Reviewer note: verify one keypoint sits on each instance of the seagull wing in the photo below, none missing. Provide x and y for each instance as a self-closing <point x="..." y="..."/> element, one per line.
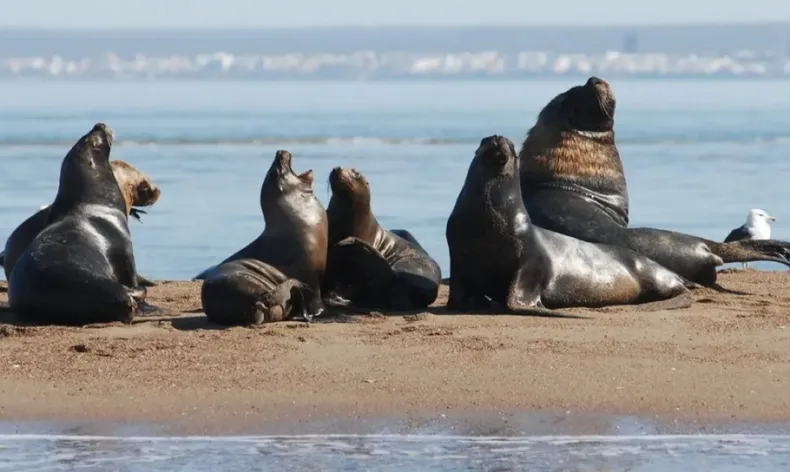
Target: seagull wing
<point x="739" y="234"/>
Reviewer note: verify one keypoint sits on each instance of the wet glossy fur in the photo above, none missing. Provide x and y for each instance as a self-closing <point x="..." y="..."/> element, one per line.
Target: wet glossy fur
<point x="573" y="183"/>
<point x="137" y="189"/>
<point x="367" y="265"/>
<point x="292" y="248"/>
<point x="81" y="268"/>
<point x="497" y="255"/>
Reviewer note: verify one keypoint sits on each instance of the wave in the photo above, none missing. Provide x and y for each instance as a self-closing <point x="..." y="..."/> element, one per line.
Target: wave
<point x="417" y="452"/>
<point x="370" y="141"/>
<point x="393" y="452"/>
<point x="549" y="439"/>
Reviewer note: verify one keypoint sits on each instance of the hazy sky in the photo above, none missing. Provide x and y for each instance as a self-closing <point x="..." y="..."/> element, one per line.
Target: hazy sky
<point x="268" y="13"/>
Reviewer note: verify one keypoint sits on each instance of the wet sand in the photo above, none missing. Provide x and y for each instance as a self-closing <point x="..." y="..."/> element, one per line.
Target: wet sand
<point x="727" y="358"/>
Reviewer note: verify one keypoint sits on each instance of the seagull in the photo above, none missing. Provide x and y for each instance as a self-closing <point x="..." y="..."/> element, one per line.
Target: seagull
<point x="757" y="226"/>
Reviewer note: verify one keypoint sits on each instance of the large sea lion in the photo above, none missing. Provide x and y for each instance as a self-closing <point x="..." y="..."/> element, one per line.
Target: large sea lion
<point x="80" y="269"/>
<point x="277" y="276"/>
<point x="497" y="255"/>
<point x="367" y="265"/>
<point x="573" y="183"/>
<point x="138" y="191"/>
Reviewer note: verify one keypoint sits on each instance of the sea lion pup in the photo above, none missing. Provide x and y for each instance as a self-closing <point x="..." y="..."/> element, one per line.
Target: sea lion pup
<point x="80" y="269"/>
<point x="137" y="189"/>
<point x="277" y="276"/>
<point x="496" y="254"/>
<point x="367" y="265"/>
<point x="573" y="183"/>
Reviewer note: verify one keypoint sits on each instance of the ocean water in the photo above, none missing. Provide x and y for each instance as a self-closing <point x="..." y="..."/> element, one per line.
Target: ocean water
<point x="698" y="154"/>
<point x="490" y="442"/>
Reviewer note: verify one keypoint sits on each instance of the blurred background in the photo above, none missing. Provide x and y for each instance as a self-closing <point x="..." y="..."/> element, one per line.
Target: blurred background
<point x="202" y="93"/>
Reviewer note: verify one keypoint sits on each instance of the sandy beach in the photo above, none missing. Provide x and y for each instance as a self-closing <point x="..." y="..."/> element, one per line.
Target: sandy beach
<point x="725" y="358"/>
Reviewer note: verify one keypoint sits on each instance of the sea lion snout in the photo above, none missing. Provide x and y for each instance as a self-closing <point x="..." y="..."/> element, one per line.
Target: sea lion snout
<point x="595" y="81"/>
<point x="283" y="159"/>
<point x="147" y="194"/>
<point x="497" y="149"/>
<point x="101" y="133"/>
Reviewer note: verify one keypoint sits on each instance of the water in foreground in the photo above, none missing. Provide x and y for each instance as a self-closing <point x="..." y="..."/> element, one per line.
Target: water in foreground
<point x="521" y="442"/>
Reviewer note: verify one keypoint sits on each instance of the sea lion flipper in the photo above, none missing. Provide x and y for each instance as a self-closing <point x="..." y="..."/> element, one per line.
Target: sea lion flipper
<point x="144" y="281"/>
<point x="406" y="234"/>
<point x="2" y="258"/>
<point x="355" y="271"/>
<point x="65" y="298"/>
<point x="684" y="300"/>
<point x="771" y="250"/>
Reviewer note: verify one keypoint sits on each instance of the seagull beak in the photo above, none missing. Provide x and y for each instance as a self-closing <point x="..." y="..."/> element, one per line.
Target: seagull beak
<point x="772" y="218"/>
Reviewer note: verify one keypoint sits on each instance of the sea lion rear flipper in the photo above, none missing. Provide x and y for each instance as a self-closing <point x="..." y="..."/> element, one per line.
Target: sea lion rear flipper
<point x="285" y="302"/>
<point x="356" y="271"/>
<point x="74" y="298"/>
<point x="684" y="300"/>
<point x="771" y="250"/>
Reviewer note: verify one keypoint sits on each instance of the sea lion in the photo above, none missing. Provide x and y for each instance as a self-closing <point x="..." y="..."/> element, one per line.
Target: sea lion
<point x="497" y="255"/>
<point x="137" y="189"/>
<point x="80" y="269"/>
<point x="573" y="183"/>
<point x="367" y="265"/>
<point x="278" y="275"/>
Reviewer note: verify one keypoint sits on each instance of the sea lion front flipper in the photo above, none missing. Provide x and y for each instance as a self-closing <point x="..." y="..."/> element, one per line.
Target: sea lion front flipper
<point x="406" y="234"/>
<point x="356" y="271"/>
<point x="144" y="281"/>
<point x="523" y="297"/>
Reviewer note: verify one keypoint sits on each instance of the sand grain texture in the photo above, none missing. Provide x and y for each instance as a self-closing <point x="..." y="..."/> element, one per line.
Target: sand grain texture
<point x="726" y="357"/>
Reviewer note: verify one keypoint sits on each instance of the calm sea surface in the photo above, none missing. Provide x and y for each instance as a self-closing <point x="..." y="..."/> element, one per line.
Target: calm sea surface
<point x="698" y="155"/>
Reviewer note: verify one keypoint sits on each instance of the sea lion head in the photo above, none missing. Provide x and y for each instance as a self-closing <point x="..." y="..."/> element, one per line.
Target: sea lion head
<point x="86" y="175"/>
<point x="585" y="109"/>
<point x="572" y="143"/>
<point x="138" y="190"/>
<point x="496" y="157"/>
<point x="349" y="185"/>
<point x="349" y="208"/>
<point x="283" y="188"/>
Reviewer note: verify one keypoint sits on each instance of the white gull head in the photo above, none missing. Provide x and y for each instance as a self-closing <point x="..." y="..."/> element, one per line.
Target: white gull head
<point x="758" y="222"/>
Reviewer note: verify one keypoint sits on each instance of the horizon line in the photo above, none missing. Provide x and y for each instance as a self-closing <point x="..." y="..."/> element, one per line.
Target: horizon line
<point x="177" y="28"/>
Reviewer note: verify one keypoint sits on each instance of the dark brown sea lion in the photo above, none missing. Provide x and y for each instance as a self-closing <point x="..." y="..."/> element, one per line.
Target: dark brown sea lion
<point x="572" y="182"/>
<point x="497" y="255"/>
<point x="80" y="269"/>
<point x="277" y="276"/>
<point x="138" y="191"/>
<point x="367" y="265"/>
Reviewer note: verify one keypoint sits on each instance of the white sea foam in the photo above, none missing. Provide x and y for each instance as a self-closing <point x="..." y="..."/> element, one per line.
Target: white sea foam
<point x="417" y="452"/>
